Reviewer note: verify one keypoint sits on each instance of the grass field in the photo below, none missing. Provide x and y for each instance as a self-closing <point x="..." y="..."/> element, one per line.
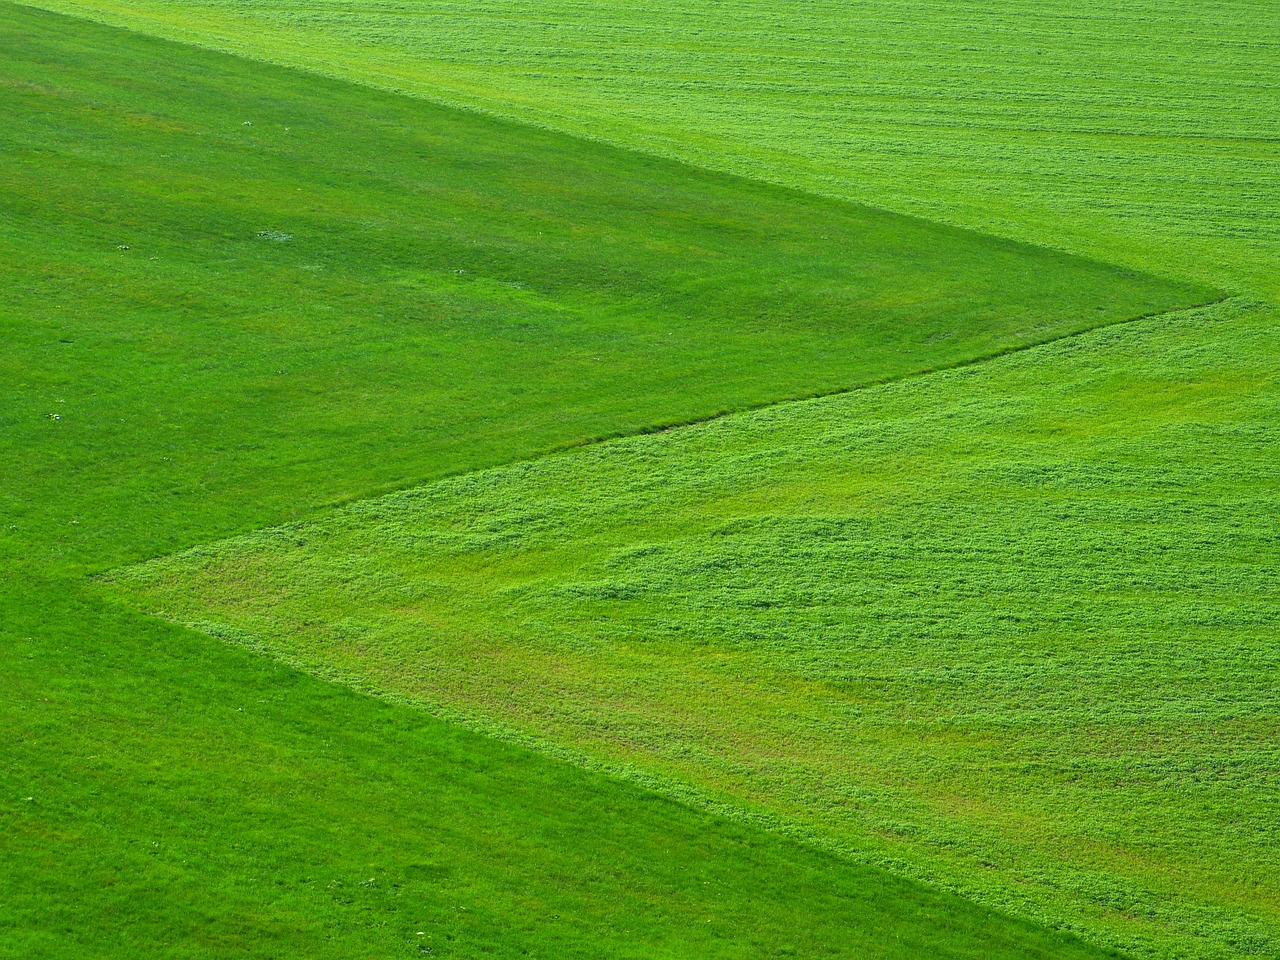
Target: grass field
<point x="1008" y="628"/>
<point x="795" y="610"/>
<point x="1142" y="131"/>
<point x="228" y="275"/>
<point x="167" y="795"/>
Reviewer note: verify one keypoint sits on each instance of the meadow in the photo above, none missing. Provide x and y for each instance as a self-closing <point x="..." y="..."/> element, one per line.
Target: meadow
<point x="793" y="611"/>
<point x="168" y="795"/>
<point x="228" y="276"/>
<point x="209" y="327"/>
<point x="970" y="652"/>
<point x="1141" y="132"/>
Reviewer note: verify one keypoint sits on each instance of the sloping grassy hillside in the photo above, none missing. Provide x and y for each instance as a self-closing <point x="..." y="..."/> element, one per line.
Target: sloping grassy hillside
<point x="285" y="328"/>
<point x="304" y="336"/>
<point x="169" y="796"/>
<point x="277" y="290"/>
<point x="1013" y="626"/>
<point x="1140" y="131"/>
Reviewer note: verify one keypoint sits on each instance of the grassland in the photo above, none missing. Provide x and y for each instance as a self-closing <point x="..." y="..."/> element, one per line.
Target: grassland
<point x="1008" y="629"/>
<point x="258" y="272"/>
<point x="1014" y="626"/>
<point x="212" y="323"/>
<point x="1140" y="132"/>
<point x="166" y="795"/>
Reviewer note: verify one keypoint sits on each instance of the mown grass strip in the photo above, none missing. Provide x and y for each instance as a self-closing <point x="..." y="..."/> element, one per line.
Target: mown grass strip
<point x="1011" y="627"/>
<point x="234" y="282"/>
<point x="1140" y="132"/>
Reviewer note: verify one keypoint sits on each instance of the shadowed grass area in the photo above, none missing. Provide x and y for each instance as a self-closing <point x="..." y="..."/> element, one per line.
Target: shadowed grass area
<point x="1141" y="132"/>
<point x="1013" y="628"/>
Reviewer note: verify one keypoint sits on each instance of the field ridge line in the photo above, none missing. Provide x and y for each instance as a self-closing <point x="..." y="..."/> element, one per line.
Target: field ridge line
<point x="1241" y="300"/>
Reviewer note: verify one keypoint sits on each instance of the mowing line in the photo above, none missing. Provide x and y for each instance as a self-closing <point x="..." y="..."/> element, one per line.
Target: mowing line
<point x="1241" y="300"/>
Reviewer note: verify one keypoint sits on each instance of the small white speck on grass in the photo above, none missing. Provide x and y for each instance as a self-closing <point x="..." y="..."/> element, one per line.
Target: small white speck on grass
<point x="55" y="416"/>
<point x="123" y="246"/>
<point x="248" y="123"/>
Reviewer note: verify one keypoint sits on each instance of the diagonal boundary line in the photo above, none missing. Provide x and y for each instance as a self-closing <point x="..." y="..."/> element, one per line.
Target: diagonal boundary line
<point x="1241" y="301"/>
<point x="444" y="102"/>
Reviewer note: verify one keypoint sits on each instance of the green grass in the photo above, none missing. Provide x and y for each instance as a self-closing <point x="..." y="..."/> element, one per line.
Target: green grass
<point x="1013" y="628"/>
<point x="1142" y="132"/>
<point x="169" y="795"/>
<point x="1057" y="574"/>
<point x="454" y="292"/>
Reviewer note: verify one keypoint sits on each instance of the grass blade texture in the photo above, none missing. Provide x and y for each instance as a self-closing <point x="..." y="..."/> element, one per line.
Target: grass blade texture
<point x="227" y="275"/>
<point x="208" y="326"/>
<point x="993" y="635"/>
<point x="1014" y="626"/>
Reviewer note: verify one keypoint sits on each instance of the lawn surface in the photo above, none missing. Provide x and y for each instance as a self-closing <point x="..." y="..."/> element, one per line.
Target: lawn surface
<point x="167" y="795"/>
<point x="233" y="281"/>
<point x="1055" y="697"/>
<point x="1142" y="132"/>
<point x="208" y="326"/>
<point x="1014" y="626"/>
